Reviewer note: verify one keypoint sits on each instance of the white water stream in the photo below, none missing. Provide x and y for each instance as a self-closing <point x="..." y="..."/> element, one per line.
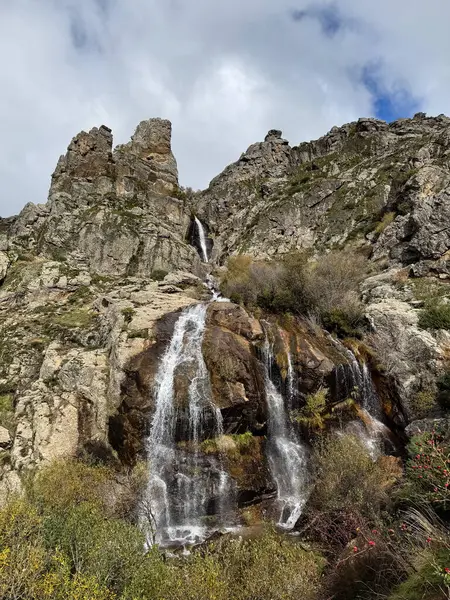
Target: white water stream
<point x="287" y="456"/>
<point x="356" y="381"/>
<point x="183" y="482"/>
<point x="202" y="239"/>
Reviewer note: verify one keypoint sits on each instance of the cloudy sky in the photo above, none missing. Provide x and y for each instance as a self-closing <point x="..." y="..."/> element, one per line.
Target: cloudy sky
<point x="223" y="71"/>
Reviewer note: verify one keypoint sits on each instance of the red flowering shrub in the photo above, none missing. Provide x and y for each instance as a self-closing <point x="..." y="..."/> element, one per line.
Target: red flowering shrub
<point x="428" y="469"/>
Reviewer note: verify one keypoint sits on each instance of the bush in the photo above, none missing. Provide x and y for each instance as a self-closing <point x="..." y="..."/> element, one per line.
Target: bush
<point x="333" y="281"/>
<point x="443" y="385"/>
<point x="428" y="470"/>
<point x="270" y="566"/>
<point x="253" y="572"/>
<point x="31" y="570"/>
<point x="435" y="317"/>
<point x="429" y="579"/>
<point x="327" y="287"/>
<point x="7" y="411"/>
<point x="312" y="414"/>
<point x="107" y="550"/>
<point x="347" y="477"/>
<point x="345" y="323"/>
<point x="387" y="219"/>
<point x="258" y="283"/>
<point x="423" y="403"/>
<point x="65" y="484"/>
<point x="350" y="490"/>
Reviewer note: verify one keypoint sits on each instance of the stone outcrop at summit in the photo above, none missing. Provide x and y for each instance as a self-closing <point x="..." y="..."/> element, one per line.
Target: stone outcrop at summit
<point x="341" y="189"/>
<point x="115" y="212"/>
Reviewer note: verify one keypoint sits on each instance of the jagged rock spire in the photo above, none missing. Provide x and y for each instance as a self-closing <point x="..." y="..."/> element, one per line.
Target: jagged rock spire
<point x="88" y="155"/>
<point x="115" y="211"/>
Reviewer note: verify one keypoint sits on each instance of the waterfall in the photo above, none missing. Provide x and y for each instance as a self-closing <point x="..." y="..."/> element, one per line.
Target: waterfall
<point x="202" y="238"/>
<point x="291" y="381"/>
<point x="287" y="456"/>
<point x="354" y="381"/>
<point x="185" y="487"/>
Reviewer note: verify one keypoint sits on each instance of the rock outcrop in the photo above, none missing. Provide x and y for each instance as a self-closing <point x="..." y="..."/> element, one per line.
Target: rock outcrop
<point x="337" y="190"/>
<point x="113" y="212"/>
<point x="92" y="282"/>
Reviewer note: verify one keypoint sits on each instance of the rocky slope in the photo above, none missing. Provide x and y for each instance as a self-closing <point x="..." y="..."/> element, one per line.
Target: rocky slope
<point x="335" y="190"/>
<point x="92" y="282"/>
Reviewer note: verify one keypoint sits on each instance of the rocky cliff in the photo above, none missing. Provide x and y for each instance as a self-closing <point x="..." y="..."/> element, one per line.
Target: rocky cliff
<point x="92" y="283"/>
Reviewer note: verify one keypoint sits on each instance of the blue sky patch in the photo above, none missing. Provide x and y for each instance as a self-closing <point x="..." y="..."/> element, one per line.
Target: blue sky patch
<point x="389" y="103"/>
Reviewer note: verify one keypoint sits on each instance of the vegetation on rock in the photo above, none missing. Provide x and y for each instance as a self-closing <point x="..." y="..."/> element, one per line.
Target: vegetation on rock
<point x="326" y="287"/>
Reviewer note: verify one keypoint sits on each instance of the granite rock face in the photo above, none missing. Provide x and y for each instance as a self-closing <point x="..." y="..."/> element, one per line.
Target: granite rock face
<point x="92" y="282"/>
<point x="336" y="191"/>
<point x="114" y="212"/>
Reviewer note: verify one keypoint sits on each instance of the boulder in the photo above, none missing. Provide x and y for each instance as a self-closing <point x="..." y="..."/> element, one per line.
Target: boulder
<point x="237" y="380"/>
<point x="4" y="264"/>
<point x="5" y="438"/>
<point x="427" y="426"/>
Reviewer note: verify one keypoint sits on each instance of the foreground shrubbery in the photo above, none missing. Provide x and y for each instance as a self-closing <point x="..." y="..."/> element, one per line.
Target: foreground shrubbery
<point x="364" y="516"/>
<point x="428" y="470"/>
<point x="371" y="531"/>
<point x="327" y="287"/>
<point x="65" y="540"/>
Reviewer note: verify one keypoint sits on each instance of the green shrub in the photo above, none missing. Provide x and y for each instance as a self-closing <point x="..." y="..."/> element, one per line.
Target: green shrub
<point x="345" y="323"/>
<point x="312" y="414"/>
<point x="158" y="274"/>
<point x="387" y="219"/>
<point x="108" y="550"/>
<point x="316" y="403"/>
<point x="80" y="317"/>
<point x="271" y="566"/>
<point x="347" y="476"/>
<point x="428" y="578"/>
<point x="428" y="470"/>
<point x="29" y="569"/>
<point x="435" y="317"/>
<point x="243" y="441"/>
<point x="428" y="289"/>
<point x="350" y="490"/>
<point x="7" y="411"/>
<point x="443" y="385"/>
<point x="67" y="483"/>
<point x="209" y="446"/>
<point x="423" y="403"/>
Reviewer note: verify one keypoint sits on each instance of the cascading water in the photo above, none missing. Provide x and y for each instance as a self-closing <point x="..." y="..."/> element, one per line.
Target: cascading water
<point x="202" y="239"/>
<point x="354" y="381"/>
<point x="287" y="456"/>
<point x="182" y="486"/>
<point x="291" y="381"/>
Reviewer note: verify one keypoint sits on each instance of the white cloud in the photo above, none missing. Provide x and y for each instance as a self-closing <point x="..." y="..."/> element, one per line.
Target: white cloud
<point x="224" y="72"/>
